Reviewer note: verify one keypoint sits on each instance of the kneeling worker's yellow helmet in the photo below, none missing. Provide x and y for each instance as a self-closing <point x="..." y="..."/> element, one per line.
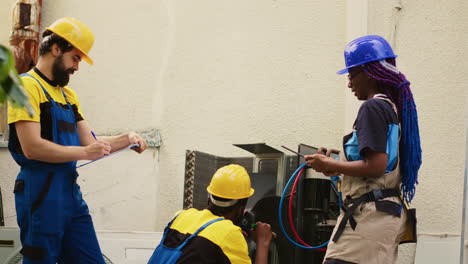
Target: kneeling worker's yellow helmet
<point x="231" y="182"/>
<point x="76" y="33"/>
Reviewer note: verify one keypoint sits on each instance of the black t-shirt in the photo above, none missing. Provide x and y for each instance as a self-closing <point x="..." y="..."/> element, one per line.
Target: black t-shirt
<point x="372" y="124"/>
<point x="376" y="127"/>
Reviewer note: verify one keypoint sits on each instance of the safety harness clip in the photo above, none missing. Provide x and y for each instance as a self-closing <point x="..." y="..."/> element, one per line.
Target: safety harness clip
<point x="375" y="195"/>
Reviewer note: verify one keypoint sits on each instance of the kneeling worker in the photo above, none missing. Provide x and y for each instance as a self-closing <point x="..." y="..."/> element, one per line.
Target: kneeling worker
<point x="212" y="235"/>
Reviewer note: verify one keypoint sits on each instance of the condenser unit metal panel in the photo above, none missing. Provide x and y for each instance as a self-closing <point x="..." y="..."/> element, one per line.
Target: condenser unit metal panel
<point x="309" y="150"/>
<point x="269" y="171"/>
<point x="258" y="148"/>
<point x="315" y="218"/>
<point x="269" y="155"/>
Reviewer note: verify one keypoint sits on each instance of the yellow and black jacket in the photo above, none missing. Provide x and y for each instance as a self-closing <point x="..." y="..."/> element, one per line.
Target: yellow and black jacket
<point x="221" y="242"/>
<point x="41" y="107"/>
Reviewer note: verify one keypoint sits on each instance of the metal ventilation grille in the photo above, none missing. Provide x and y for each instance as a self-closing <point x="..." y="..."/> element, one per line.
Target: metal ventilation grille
<point x="189" y="179"/>
<point x="199" y="168"/>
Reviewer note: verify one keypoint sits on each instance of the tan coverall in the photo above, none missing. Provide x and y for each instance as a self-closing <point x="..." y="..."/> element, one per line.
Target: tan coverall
<point x="377" y="235"/>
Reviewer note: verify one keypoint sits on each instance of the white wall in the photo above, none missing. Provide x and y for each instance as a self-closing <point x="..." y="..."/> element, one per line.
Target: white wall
<point x="430" y="38"/>
<point x="210" y="73"/>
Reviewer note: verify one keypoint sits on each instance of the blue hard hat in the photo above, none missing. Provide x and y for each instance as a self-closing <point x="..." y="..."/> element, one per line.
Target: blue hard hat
<point x="366" y="49"/>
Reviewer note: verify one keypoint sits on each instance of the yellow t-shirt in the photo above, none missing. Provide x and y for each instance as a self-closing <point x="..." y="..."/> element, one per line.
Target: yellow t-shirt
<point x="41" y="107"/>
<point x="220" y="242"/>
<point x="39" y="101"/>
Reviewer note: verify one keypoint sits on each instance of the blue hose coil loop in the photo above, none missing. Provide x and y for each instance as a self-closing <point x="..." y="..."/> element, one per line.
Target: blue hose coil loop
<point x="280" y="210"/>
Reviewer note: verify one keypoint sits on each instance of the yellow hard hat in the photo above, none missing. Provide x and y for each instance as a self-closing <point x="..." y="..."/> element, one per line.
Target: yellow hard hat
<point x="76" y="33"/>
<point x="231" y="182"/>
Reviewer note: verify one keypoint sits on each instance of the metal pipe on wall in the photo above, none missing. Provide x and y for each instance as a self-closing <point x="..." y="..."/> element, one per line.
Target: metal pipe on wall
<point x="463" y="247"/>
<point x="24" y="40"/>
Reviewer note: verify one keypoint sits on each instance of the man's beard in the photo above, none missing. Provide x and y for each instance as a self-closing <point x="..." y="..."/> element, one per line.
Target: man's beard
<point x="61" y="75"/>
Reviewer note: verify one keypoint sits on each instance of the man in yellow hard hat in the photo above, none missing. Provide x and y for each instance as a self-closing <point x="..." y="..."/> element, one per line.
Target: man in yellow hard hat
<point x="211" y="235"/>
<point x="54" y="219"/>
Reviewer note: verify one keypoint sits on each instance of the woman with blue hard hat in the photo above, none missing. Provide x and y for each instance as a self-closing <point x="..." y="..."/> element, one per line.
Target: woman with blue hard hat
<point x="380" y="159"/>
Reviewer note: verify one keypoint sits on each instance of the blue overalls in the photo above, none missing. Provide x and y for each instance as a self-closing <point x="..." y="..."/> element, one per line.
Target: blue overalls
<point x="166" y="255"/>
<point x="54" y="220"/>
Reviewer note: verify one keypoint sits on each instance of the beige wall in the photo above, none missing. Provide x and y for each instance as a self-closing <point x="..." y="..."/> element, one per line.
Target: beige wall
<point x="247" y="72"/>
<point x="207" y="74"/>
<point x="120" y="191"/>
<point x="212" y="73"/>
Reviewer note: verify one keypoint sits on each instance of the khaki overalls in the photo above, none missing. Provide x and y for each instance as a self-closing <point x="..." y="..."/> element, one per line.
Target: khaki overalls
<point x="377" y="232"/>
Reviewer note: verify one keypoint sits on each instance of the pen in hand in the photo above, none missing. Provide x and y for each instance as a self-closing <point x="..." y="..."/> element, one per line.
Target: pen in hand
<point x="131" y="146"/>
<point x="94" y="135"/>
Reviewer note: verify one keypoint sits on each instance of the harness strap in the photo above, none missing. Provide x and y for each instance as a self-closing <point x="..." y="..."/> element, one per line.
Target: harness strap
<point x="166" y="230"/>
<point x="46" y="93"/>
<point x="371" y="196"/>
<point x="198" y="231"/>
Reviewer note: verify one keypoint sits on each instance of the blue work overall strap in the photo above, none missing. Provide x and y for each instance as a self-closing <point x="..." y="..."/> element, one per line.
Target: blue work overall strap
<point x="166" y="255"/>
<point x="166" y="230"/>
<point x="64" y="128"/>
<point x="49" y="196"/>
<point x="47" y="93"/>
<point x="163" y="254"/>
<point x="198" y="231"/>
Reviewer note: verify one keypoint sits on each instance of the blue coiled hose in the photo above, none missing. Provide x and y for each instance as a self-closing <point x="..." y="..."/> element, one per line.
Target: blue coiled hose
<point x="280" y="212"/>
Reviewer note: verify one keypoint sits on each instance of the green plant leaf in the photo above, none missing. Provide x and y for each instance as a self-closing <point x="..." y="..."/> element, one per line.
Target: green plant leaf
<point x="17" y="96"/>
<point x="3" y="95"/>
<point x="4" y="62"/>
<point x="11" y="87"/>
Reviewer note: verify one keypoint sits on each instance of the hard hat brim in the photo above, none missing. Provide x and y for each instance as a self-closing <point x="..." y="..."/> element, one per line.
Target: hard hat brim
<point x="346" y="70"/>
<point x="88" y="60"/>
<point x="211" y="191"/>
<point x="342" y="71"/>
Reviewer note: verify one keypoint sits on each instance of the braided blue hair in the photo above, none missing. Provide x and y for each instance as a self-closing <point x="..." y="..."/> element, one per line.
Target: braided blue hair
<point x="397" y="88"/>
